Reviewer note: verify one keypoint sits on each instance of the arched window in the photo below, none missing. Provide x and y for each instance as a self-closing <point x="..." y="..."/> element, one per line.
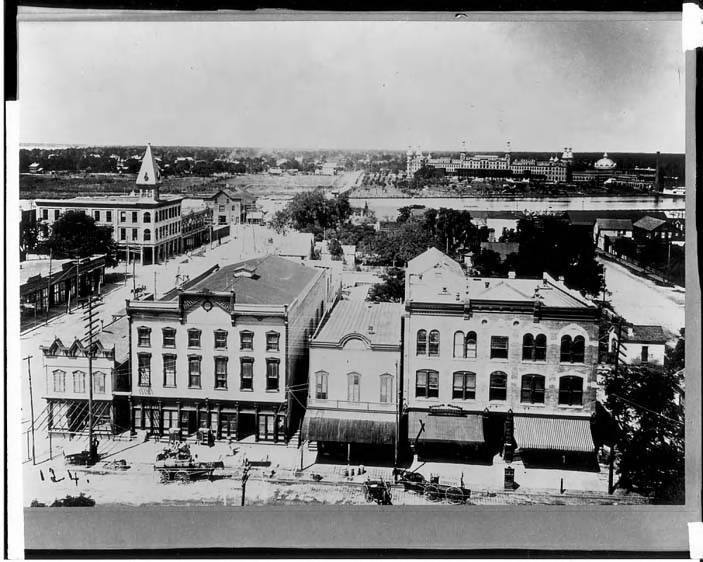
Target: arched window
<point x="99" y="382"/>
<point x="498" y="386"/>
<point x="534" y="348"/>
<point x="571" y="390"/>
<point x="464" y="386"/>
<point x="578" y="349"/>
<point x="532" y="389"/>
<point x="528" y="344"/>
<point x="59" y="380"/>
<point x="427" y="384"/>
<point x="354" y="387"/>
<point x="540" y="347"/>
<point x="321" y="385"/>
<point x="147" y="216"/>
<point x="434" y="343"/>
<point x="78" y="382"/>
<point x="471" y="345"/>
<point x="422" y="342"/>
<point x="386" y="388"/>
<point x="459" y="349"/>
<point x="147" y="234"/>
<point x="565" y="354"/>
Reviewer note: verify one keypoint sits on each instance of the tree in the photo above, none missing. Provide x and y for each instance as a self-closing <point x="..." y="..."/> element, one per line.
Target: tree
<point x="281" y="220"/>
<point x="311" y="211"/>
<point x="489" y="264"/>
<point x="676" y="356"/>
<point x="391" y="289"/>
<point x="75" y="235"/>
<point x="29" y="234"/>
<point x="335" y="249"/>
<point x="650" y="441"/>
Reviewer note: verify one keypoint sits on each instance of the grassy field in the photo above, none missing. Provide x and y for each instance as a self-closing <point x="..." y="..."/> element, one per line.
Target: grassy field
<point x="47" y="186"/>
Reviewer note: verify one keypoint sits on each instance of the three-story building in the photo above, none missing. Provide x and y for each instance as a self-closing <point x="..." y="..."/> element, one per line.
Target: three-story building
<point x="493" y="362"/>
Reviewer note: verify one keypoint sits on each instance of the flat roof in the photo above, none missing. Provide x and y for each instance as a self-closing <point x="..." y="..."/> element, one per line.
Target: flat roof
<point x="31" y="268"/>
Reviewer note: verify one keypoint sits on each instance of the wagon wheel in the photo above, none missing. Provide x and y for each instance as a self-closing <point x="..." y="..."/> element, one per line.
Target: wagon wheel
<point x="455" y="495"/>
<point x="183" y="477"/>
<point x="432" y="492"/>
<point x="163" y="476"/>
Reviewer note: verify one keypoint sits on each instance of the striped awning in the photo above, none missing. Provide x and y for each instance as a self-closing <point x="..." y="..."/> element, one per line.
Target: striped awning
<point x="376" y="428"/>
<point x="466" y="428"/>
<point x="546" y="433"/>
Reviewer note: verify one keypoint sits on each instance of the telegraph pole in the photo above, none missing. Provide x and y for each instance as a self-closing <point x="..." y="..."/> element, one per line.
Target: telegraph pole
<point x="91" y="327"/>
<point x="245" y="477"/>
<point x="31" y="406"/>
<point x="611" y="460"/>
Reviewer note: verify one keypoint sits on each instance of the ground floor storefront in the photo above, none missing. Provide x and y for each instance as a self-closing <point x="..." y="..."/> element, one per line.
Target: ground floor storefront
<point x="148" y="254"/>
<point x="224" y="419"/>
<point x="67" y="416"/>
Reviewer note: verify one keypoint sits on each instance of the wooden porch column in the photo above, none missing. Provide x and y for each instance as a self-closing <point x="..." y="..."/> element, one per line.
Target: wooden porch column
<point x="178" y="407"/>
<point x="236" y="422"/>
<point x="141" y="408"/>
<point x="161" y="418"/>
<point x="208" y="419"/>
<point x="131" y="415"/>
<point x="256" y="433"/>
<point x="219" y="420"/>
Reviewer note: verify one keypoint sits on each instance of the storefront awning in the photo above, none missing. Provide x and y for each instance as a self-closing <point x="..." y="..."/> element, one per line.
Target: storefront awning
<point x="467" y="428"/>
<point x="376" y="428"/>
<point x="546" y="433"/>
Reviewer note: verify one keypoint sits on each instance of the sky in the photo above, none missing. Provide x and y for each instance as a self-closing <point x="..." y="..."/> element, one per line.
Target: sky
<point x="615" y="86"/>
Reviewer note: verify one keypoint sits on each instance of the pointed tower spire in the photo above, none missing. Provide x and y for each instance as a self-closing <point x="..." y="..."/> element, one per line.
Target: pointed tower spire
<point x="149" y="173"/>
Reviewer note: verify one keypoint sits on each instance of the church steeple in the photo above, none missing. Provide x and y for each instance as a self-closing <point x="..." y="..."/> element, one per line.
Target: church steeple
<point x="149" y="173"/>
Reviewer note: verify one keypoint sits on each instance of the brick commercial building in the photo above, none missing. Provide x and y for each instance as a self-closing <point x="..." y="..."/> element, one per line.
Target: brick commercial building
<point x="496" y="362"/>
<point x="228" y="351"/>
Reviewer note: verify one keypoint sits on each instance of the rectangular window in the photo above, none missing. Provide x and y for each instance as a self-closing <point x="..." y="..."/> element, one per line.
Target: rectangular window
<point x="499" y="347"/>
<point x="169" y="337"/>
<point x="108" y="216"/>
<point x="272" y="374"/>
<point x="193" y="338"/>
<point x="57" y="213"/>
<point x="59" y="381"/>
<point x="123" y="234"/>
<point x="272" y="341"/>
<point x="169" y="370"/>
<point x="645" y="354"/>
<point x="123" y="216"/>
<point x="45" y="214"/>
<point x="222" y="208"/>
<point x="246" y="341"/>
<point x="247" y="374"/>
<point x="99" y="383"/>
<point x="135" y="234"/>
<point x="220" y="339"/>
<point x="194" y="371"/>
<point x="144" y="369"/>
<point x="386" y="389"/>
<point x="221" y="372"/>
<point x="96" y="216"/>
<point x="464" y="386"/>
<point x="135" y="218"/>
<point x="321" y="386"/>
<point x="498" y="386"/>
<point x="143" y="337"/>
<point x="532" y="390"/>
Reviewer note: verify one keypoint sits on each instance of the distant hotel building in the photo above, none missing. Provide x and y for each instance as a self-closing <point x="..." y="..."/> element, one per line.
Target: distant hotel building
<point x="491" y="165"/>
<point x="228" y="351"/>
<point x="496" y="362"/>
<point x="146" y="226"/>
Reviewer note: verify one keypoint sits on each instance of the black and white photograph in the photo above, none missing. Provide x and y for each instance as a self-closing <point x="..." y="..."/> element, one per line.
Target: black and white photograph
<point x="427" y="264"/>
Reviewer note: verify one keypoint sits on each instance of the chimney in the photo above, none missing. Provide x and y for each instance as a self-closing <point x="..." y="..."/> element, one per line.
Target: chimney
<point x="561" y="279"/>
<point x="371" y="330"/>
<point x="511" y="275"/>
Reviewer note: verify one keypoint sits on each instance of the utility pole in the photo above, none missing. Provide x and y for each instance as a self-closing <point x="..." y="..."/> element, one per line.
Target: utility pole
<point x="31" y="405"/>
<point x="134" y="279"/>
<point x="611" y="460"/>
<point x="245" y="477"/>
<point x="397" y="417"/>
<point x="126" y="265"/>
<point x="91" y="327"/>
<point x="48" y="288"/>
<point x="154" y="284"/>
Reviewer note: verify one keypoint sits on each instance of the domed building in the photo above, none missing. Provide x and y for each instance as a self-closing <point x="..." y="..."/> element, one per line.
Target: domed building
<point x="605" y="163"/>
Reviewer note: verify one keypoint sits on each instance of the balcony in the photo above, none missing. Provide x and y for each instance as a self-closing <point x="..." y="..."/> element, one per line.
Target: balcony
<point x="349" y="405"/>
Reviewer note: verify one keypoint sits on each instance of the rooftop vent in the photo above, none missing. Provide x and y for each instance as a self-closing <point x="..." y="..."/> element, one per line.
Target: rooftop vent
<point x="511" y="275"/>
<point x="561" y="279"/>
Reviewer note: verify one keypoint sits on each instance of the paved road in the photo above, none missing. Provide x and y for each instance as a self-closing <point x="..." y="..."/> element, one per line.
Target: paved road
<point x="641" y="301"/>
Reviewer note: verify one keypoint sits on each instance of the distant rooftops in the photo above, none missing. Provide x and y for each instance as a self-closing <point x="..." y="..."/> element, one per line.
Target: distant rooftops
<point x="97" y="200"/>
<point x="649" y="223"/>
<point x="378" y="323"/>
<point x="614" y="224"/>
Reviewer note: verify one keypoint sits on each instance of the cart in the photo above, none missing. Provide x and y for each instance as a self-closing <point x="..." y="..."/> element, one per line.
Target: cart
<point x="185" y="471"/>
<point x="434" y="491"/>
<point x="412" y="481"/>
<point x="378" y="491"/>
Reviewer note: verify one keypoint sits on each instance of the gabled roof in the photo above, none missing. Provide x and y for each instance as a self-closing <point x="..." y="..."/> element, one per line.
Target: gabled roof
<point x="354" y="318"/>
<point x="614" y="224"/>
<point x="431" y="258"/>
<point x="275" y="280"/>
<point x="649" y="223"/>
<point x="645" y="334"/>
